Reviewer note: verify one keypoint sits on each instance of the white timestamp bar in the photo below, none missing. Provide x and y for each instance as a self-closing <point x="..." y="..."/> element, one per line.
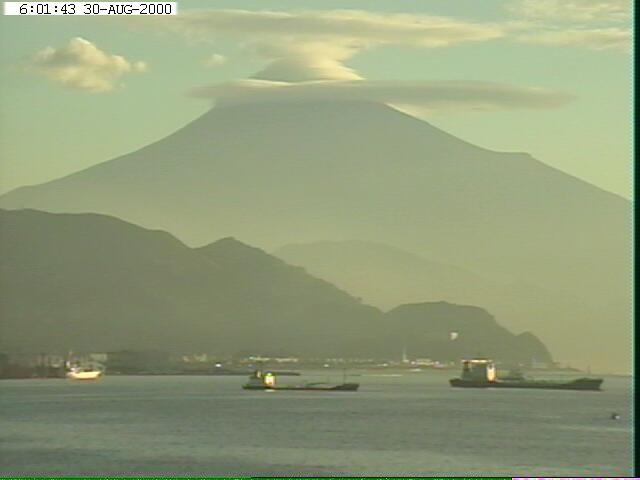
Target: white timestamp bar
<point x="90" y="8"/>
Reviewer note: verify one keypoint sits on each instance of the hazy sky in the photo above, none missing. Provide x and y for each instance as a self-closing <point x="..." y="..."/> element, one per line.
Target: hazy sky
<point x="555" y="75"/>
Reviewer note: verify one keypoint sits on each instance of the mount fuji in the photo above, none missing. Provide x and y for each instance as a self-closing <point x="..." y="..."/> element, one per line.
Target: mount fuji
<point x="281" y="173"/>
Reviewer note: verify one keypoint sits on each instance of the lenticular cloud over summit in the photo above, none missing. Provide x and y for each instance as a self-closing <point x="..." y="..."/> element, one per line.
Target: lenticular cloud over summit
<point x="306" y="54"/>
<point x="427" y="95"/>
<point x="313" y="45"/>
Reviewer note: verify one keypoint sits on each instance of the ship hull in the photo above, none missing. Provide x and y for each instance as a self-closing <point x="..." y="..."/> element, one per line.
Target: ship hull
<point x="578" y="384"/>
<point x="344" y="387"/>
<point x="93" y="375"/>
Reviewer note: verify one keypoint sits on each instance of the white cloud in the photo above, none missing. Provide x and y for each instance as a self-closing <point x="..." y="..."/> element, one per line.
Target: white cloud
<point x="214" y="60"/>
<point x="306" y="61"/>
<point x="428" y="96"/>
<point x="593" y="38"/>
<point x="313" y="45"/>
<point x="573" y="10"/>
<point x="82" y="65"/>
<point x="592" y="24"/>
<point x="352" y="26"/>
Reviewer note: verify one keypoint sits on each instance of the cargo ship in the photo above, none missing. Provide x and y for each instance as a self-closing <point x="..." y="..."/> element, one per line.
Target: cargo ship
<point x="260" y="380"/>
<point x="481" y="373"/>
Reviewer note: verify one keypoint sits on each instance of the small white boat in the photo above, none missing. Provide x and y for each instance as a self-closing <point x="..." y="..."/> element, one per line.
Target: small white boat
<point x="78" y="373"/>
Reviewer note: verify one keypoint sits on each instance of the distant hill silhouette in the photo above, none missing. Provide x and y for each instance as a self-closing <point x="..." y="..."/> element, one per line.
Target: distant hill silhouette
<point x="427" y="327"/>
<point x="280" y="173"/>
<point x="386" y="277"/>
<point x="87" y="282"/>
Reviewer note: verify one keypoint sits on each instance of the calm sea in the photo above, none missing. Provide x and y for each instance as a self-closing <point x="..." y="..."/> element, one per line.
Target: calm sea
<point x="412" y="424"/>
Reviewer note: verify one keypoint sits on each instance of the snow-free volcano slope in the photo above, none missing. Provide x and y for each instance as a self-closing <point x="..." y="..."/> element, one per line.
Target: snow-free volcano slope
<point x="280" y="173"/>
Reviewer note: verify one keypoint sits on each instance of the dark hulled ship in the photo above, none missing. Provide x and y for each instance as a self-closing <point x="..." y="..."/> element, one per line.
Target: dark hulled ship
<point x="481" y="373"/>
<point x="260" y="380"/>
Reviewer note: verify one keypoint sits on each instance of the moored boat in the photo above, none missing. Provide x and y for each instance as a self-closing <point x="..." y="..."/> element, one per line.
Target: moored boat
<point x="481" y="373"/>
<point x="80" y="373"/>
<point x="260" y="380"/>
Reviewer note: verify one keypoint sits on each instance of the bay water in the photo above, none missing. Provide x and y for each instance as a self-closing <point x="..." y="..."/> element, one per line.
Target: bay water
<point x="397" y="424"/>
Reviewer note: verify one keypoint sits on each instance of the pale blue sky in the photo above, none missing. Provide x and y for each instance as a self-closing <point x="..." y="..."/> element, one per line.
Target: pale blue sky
<point x="49" y="130"/>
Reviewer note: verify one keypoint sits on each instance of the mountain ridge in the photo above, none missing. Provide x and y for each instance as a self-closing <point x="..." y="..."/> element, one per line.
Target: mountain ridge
<point x="273" y="174"/>
<point x="93" y="283"/>
<point x="386" y="277"/>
